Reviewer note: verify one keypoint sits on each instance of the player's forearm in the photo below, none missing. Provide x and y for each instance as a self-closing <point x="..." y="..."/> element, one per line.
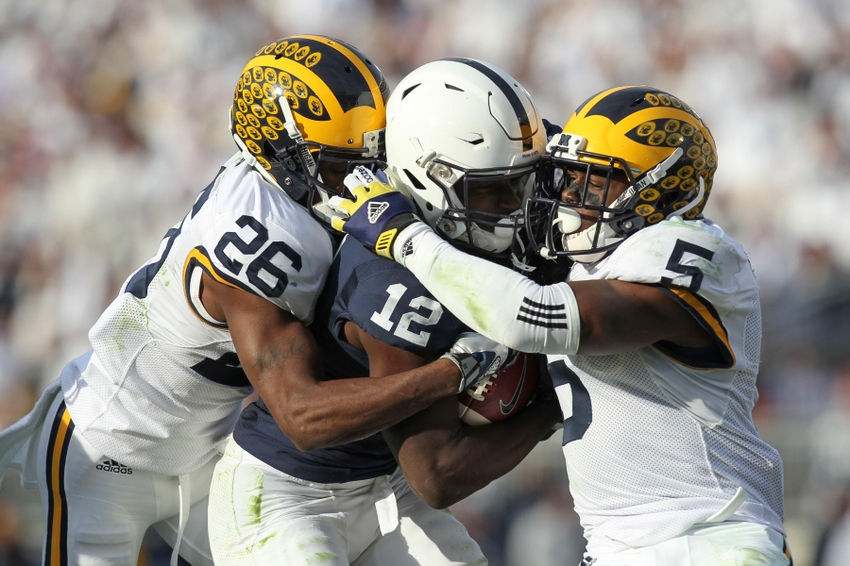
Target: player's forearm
<point x="327" y="413"/>
<point x="482" y="455"/>
<point x="494" y="300"/>
<point x="445" y="466"/>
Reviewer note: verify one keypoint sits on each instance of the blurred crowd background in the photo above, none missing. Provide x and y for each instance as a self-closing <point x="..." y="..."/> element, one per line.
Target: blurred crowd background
<point x="113" y="116"/>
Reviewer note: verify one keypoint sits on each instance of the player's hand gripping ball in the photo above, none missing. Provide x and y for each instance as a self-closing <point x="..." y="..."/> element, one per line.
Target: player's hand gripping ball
<point x="502" y="395"/>
<point x="477" y="357"/>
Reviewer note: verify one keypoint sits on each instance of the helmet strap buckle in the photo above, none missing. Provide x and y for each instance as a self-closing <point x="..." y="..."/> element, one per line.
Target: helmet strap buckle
<point x="289" y="163"/>
<point x="373" y="141"/>
<point x="659" y="171"/>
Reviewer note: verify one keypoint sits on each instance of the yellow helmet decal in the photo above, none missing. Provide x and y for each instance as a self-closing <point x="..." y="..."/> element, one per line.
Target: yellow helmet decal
<point x="644" y="127"/>
<point x="330" y="107"/>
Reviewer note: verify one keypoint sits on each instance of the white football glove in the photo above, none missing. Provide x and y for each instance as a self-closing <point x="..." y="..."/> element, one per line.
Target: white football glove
<point x="478" y="357"/>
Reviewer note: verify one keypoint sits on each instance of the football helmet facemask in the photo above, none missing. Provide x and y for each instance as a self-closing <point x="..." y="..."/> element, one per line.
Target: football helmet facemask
<point x="463" y="139"/>
<point x="648" y="139"/>
<point x="305" y="111"/>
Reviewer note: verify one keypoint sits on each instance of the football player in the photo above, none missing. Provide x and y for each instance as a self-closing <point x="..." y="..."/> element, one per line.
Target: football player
<point x="351" y="504"/>
<point x="127" y="438"/>
<point x="653" y="340"/>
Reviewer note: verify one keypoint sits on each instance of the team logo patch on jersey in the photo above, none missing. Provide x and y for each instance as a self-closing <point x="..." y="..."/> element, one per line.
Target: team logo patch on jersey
<point x="376" y="209"/>
<point x="114" y="467"/>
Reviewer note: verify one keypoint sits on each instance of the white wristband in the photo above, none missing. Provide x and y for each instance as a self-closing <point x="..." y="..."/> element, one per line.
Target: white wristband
<point x="403" y="245"/>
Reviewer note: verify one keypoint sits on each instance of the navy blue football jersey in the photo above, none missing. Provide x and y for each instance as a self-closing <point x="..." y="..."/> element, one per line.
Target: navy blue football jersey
<point x="389" y="303"/>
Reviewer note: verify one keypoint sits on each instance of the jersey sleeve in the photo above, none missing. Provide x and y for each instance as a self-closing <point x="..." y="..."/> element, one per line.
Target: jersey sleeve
<point x="493" y="300"/>
<point x="263" y="243"/>
<point x="390" y="304"/>
<point x="707" y="273"/>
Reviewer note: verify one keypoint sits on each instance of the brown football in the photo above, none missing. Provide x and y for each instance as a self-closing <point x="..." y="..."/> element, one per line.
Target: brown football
<point x="501" y="396"/>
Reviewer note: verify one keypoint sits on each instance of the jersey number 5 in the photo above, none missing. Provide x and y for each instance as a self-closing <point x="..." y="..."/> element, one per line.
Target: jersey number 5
<point x="675" y="265"/>
<point x="396" y="292"/>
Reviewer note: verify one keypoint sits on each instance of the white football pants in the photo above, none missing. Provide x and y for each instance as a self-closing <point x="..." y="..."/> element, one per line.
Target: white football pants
<point x="97" y="510"/>
<point x="261" y="516"/>
<point x="727" y="544"/>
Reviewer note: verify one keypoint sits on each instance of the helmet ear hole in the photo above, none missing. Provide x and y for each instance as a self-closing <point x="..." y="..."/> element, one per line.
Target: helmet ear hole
<point x="417" y="184"/>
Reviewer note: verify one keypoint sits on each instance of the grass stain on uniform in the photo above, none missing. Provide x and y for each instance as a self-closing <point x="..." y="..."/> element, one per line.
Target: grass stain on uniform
<point x="322" y="558"/>
<point x="315" y="540"/>
<point x="455" y="276"/>
<point x="163" y="271"/>
<point x="254" y="501"/>
<point x="743" y="557"/>
<point x="119" y="345"/>
<point x="262" y="542"/>
<point x="132" y="322"/>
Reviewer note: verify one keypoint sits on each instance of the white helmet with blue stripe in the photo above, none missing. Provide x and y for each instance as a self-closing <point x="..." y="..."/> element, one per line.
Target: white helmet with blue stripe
<point x="457" y="127"/>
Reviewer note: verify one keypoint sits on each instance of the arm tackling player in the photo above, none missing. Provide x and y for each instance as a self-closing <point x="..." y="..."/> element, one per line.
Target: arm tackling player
<point x="374" y="317"/>
<point x="657" y="326"/>
<point x="219" y="311"/>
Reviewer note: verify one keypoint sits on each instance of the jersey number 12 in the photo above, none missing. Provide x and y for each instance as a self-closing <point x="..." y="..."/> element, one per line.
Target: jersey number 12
<point x="402" y="330"/>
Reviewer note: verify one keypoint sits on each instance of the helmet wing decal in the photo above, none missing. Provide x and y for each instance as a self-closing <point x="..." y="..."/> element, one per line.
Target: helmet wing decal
<point x="525" y="126"/>
<point x="352" y="89"/>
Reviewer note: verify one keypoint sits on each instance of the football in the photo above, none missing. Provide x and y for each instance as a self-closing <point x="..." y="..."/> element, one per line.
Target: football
<point x="501" y="396"/>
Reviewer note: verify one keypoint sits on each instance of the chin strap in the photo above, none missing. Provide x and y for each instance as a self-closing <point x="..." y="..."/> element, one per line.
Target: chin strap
<point x="397" y="182"/>
<point x="583" y="242"/>
<point x="659" y="171"/>
<point x="518" y="263"/>
<point x="693" y="203"/>
<point x="295" y="135"/>
<point x="567" y="221"/>
<point x="251" y="160"/>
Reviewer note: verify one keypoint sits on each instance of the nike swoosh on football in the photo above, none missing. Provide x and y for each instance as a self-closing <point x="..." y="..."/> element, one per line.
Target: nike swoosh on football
<point x="512" y="403"/>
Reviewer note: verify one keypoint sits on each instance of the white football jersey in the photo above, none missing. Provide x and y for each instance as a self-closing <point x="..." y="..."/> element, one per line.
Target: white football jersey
<point x="163" y="384"/>
<point x="661" y="438"/>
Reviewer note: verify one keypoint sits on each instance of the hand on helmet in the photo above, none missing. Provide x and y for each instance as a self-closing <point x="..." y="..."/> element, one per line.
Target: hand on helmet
<point x="376" y="215"/>
<point x="478" y="357"/>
